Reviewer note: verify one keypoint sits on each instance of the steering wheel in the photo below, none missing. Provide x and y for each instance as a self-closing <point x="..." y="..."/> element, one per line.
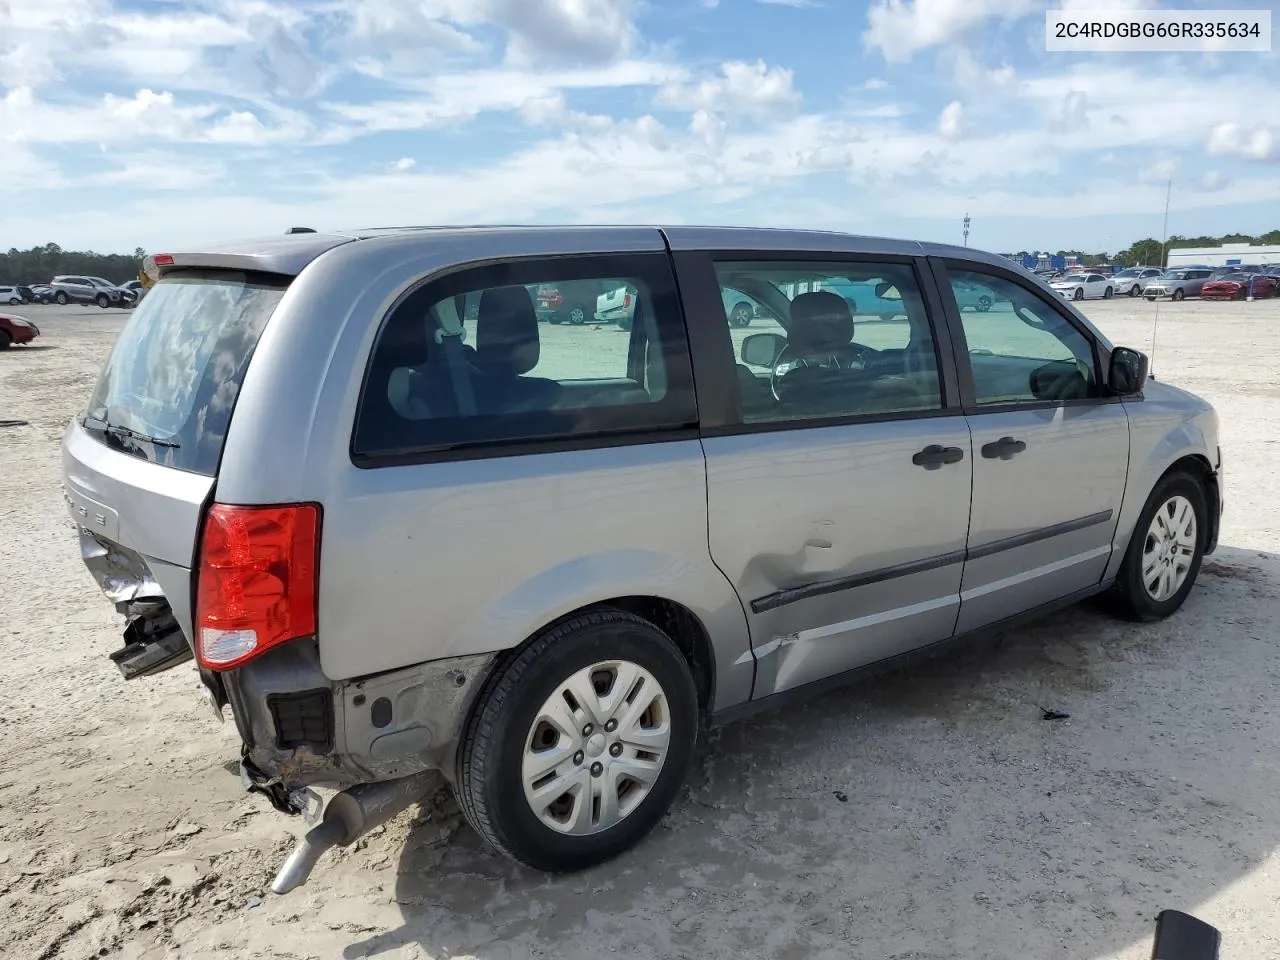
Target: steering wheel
<point x="848" y="357"/>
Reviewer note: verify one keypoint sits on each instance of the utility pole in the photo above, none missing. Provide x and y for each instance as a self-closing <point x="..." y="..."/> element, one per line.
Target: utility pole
<point x="967" y="221"/>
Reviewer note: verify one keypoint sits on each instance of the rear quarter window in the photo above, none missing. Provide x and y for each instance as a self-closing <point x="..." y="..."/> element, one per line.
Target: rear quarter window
<point x="495" y="357"/>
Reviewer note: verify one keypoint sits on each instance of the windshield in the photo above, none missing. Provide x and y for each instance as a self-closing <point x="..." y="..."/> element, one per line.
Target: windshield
<point x="167" y="390"/>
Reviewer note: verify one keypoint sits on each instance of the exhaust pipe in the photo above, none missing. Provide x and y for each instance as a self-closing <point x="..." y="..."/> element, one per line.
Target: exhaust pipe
<point x="349" y="816"/>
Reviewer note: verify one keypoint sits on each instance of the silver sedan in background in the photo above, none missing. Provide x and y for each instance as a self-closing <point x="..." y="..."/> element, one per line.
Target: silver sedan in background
<point x="1177" y="284"/>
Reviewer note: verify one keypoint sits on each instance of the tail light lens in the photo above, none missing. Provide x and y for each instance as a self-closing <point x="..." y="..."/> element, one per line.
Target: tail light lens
<point x="256" y="581"/>
<point x="626" y="300"/>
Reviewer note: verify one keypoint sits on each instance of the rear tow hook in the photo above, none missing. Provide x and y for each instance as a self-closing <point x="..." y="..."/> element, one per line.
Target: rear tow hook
<point x="349" y="816"/>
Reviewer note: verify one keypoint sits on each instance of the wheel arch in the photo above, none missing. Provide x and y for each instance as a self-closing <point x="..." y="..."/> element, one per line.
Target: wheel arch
<point x="673" y="618"/>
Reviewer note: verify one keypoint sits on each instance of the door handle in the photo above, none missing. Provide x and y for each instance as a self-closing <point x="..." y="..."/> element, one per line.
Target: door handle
<point x="935" y="455"/>
<point x="1003" y="449"/>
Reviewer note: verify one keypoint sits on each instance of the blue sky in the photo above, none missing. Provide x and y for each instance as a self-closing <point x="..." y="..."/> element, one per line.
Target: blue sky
<point x="170" y="122"/>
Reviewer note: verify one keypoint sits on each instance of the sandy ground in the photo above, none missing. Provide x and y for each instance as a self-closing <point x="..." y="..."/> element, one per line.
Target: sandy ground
<point x="929" y="814"/>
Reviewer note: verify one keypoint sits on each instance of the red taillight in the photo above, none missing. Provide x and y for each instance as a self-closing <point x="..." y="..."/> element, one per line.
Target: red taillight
<point x="256" y="582"/>
<point x="626" y="301"/>
<point x="163" y="259"/>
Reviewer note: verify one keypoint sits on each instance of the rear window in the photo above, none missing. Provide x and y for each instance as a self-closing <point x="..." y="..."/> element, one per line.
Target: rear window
<point x="168" y="389"/>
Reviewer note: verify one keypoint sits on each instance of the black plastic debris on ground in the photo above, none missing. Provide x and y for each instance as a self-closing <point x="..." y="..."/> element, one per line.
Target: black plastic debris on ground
<point x="1053" y="715"/>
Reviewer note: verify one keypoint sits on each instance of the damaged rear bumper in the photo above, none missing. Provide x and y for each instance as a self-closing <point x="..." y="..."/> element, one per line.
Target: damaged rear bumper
<point x="300" y="729"/>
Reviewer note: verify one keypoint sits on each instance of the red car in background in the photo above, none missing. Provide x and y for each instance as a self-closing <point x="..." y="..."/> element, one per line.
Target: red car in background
<point x="1235" y="286"/>
<point x="16" y="330"/>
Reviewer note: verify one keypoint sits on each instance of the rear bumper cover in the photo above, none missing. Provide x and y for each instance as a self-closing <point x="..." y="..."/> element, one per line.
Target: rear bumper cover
<point x="300" y="729"/>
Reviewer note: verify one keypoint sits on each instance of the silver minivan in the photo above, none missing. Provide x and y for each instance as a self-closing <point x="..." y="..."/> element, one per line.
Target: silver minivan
<point x="406" y="531"/>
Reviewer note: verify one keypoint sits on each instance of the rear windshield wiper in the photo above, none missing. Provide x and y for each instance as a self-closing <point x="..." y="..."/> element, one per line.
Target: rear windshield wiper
<point x="124" y="433"/>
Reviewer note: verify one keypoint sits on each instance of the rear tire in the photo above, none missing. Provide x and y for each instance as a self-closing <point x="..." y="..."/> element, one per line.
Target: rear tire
<point x="538" y="777"/>
<point x="1106" y="295"/>
<point x="740" y="316"/>
<point x="577" y="315"/>
<point x="1158" y="548"/>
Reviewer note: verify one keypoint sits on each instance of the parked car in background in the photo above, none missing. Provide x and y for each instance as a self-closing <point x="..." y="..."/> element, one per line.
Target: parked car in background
<point x="11" y="295"/>
<point x="617" y="306"/>
<point x="1177" y="284"/>
<point x="41" y="293"/>
<point x="570" y="301"/>
<point x="862" y="298"/>
<point x="133" y="291"/>
<point x="1238" y="286"/>
<point x="973" y="296"/>
<point x="1085" y="286"/>
<point x="1129" y="281"/>
<point x="16" y="330"/>
<point x="82" y="289"/>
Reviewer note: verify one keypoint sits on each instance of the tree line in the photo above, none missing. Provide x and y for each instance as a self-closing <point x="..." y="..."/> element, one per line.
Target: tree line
<point x="1151" y="252"/>
<point x="42" y="264"/>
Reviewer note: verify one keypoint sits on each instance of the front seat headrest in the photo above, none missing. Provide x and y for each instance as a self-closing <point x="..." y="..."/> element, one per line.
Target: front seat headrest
<point x="507" y="331"/>
<point x="821" y="322"/>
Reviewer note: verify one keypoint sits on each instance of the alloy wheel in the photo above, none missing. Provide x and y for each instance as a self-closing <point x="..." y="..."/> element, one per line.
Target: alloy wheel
<point x="1169" y="549"/>
<point x="596" y="747"/>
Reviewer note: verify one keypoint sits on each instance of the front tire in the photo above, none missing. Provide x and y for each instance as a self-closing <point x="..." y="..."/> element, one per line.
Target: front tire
<point x="5" y="340"/>
<point x="1166" y="549"/>
<point x="61" y="298"/>
<point x="984" y="304"/>
<point x="577" y="747"/>
<point x="1079" y="294"/>
<point x="1135" y="290"/>
<point x="103" y="301"/>
<point x="1106" y="294"/>
<point x="740" y="316"/>
<point x="577" y="315"/>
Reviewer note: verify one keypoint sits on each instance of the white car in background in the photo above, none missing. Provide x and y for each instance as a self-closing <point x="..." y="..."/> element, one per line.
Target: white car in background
<point x="1085" y="286"/>
<point x="1131" y="281"/>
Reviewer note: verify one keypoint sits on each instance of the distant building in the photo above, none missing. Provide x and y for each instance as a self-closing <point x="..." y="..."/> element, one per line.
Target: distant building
<point x="1227" y="255"/>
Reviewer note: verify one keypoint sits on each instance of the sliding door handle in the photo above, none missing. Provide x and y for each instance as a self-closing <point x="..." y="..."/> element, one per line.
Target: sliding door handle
<point x="1003" y="449"/>
<point x="934" y="456"/>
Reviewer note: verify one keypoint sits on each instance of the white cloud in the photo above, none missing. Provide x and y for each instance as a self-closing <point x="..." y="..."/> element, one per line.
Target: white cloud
<point x="1161" y="171"/>
<point x="754" y="89"/>
<point x="403" y="164"/>
<point x="1214" y="180"/>
<point x="899" y="28"/>
<point x="797" y="4"/>
<point x="455" y="97"/>
<point x="875" y="83"/>
<point x="161" y="171"/>
<point x="951" y="120"/>
<point x="1233" y="140"/>
<point x="146" y="116"/>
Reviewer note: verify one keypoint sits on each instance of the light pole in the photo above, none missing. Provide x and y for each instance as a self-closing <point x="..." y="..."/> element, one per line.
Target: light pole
<point x="967" y="221"/>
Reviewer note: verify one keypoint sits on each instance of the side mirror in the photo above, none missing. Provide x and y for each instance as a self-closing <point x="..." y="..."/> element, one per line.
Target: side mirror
<point x="1180" y="936"/>
<point x="1127" y="374"/>
<point x="887" y="291"/>
<point x="1058" y="380"/>
<point x="763" y="349"/>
